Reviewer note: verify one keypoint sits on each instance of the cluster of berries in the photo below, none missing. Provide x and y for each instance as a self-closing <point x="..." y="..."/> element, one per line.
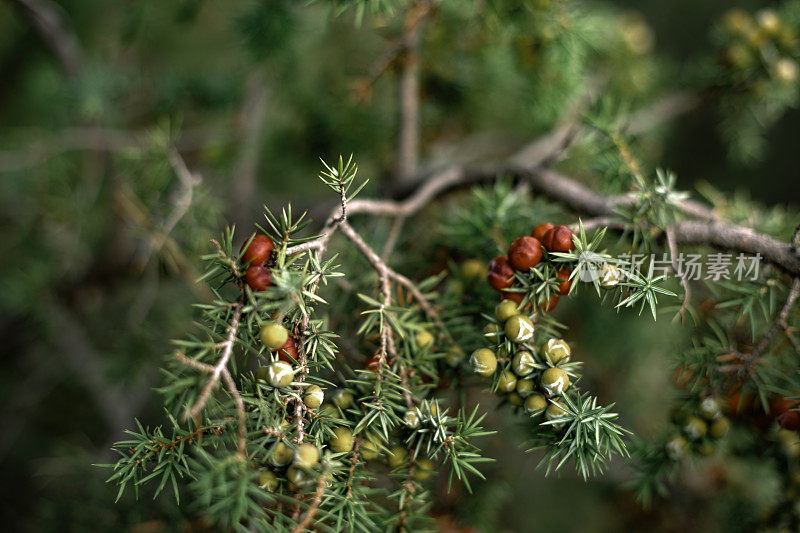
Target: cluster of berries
<point x="300" y="461"/>
<point x="700" y="428"/>
<point x="784" y="411"/>
<point x="532" y="379"/>
<point x="760" y="47"/>
<point x="526" y="252"/>
<point x="296" y="464"/>
<point x="255" y="257"/>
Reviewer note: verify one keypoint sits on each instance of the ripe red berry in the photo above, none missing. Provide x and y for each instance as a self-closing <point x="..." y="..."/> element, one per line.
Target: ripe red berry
<point x="258" y="277"/>
<point x="740" y="404"/>
<point x="515" y="297"/>
<point x="547" y="306"/>
<point x="539" y="231"/>
<point x="501" y="273"/>
<point x="525" y="253"/>
<point x="258" y="251"/>
<point x="558" y="239"/>
<point x="784" y="412"/>
<point x="566" y="283"/>
<point x="288" y="352"/>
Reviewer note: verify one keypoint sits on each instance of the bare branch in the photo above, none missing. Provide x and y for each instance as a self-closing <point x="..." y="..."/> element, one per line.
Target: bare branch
<point x="252" y="125"/>
<point x="217" y="370"/>
<point x="408" y="146"/>
<point x="687" y="289"/>
<point x="48" y="18"/>
<point x="312" y="510"/>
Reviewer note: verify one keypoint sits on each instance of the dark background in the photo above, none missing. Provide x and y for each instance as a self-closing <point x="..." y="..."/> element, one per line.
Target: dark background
<point x="86" y="311"/>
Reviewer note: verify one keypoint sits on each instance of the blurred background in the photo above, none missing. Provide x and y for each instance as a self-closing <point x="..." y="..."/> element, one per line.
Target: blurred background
<point x="103" y="228"/>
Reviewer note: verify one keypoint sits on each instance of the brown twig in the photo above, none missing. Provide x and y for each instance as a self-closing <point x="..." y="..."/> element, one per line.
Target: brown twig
<point x="408" y="143"/>
<point x="252" y="126"/>
<point x="391" y="239"/>
<point x="188" y="181"/>
<point x="49" y="21"/>
<point x="353" y="463"/>
<point x="217" y="372"/>
<point x="312" y="510"/>
<point x="745" y="367"/>
<point x="415" y="18"/>
<point x="299" y="406"/>
<point x="687" y="289"/>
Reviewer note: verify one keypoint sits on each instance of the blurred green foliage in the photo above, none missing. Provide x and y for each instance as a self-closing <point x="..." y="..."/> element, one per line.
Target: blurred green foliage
<point x="91" y="289"/>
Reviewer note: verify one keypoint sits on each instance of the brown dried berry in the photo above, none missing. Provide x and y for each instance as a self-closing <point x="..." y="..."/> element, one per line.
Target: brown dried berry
<point x="501" y="273"/>
<point x="558" y="239"/>
<point x="258" y="251"/>
<point x="784" y="412"/>
<point x="258" y="278"/>
<point x="288" y="352"/>
<point x="566" y="283"/>
<point x="539" y="231"/>
<point x="525" y="253"/>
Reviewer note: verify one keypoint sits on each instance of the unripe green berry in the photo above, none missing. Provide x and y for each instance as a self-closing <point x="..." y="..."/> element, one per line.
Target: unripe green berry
<point x="535" y="404"/>
<point x="523" y="363"/>
<point x="706" y="448"/>
<point x="298" y="479"/>
<point x="273" y="335"/>
<point x="525" y="387"/>
<point x="423" y="338"/>
<point x="492" y="331"/>
<point x="555" y="381"/>
<point x="305" y="455"/>
<point x="412" y="417"/>
<point x="719" y="428"/>
<point x="553" y="412"/>
<point x="610" y="276"/>
<point x="785" y="70"/>
<point x="737" y="21"/>
<point x="507" y="382"/>
<point x="519" y="328"/>
<point x="424" y="469"/>
<point x="676" y="447"/>
<point x="769" y="21"/>
<point x="789" y="442"/>
<point x="454" y="356"/>
<point x="679" y="414"/>
<point x="709" y="408"/>
<point x="280" y="374"/>
<point x="268" y="481"/>
<point x="368" y="450"/>
<point x="483" y="362"/>
<point x="328" y="410"/>
<point x="396" y="457"/>
<point x="695" y="428"/>
<point x="342" y="399"/>
<point x="515" y="399"/>
<point x="281" y="455"/>
<point x="505" y="310"/>
<point x="432" y="408"/>
<point x="313" y="397"/>
<point x="557" y="350"/>
<point x="342" y="440"/>
<point x="473" y="269"/>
